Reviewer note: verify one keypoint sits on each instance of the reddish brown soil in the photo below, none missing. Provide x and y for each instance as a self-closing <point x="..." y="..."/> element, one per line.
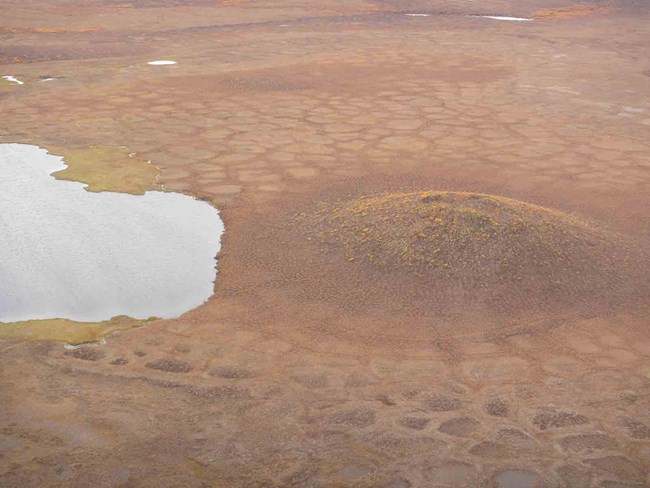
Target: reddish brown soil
<point x="297" y="374"/>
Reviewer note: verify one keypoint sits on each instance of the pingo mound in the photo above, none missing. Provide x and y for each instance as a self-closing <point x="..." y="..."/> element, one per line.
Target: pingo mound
<point x="483" y="246"/>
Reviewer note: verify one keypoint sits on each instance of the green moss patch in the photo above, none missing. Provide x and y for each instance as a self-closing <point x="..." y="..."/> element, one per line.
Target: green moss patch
<point x="107" y="169"/>
<point x="68" y="331"/>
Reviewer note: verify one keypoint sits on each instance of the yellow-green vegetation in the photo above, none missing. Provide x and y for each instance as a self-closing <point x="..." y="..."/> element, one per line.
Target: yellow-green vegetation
<point x="477" y="243"/>
<point x="6" y="85"/>
<point x="107" y="169"/>
<point x="68" y="331"/>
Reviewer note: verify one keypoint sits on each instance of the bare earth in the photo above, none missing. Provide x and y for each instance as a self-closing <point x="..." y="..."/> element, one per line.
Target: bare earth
<point x="306" y="368"/>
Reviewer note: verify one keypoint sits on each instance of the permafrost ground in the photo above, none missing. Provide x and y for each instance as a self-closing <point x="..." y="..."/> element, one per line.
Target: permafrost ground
<point x="306" y="368"/>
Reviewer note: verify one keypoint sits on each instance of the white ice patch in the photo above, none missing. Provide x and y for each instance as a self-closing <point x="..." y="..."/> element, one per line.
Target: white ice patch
<point x="417" y="15"/>
<point x="47" y="79"/>
<point x="69" y="253"/>
<point x="13" y="79"/>
<point x="512" y="19"/>
<point x="162" y="62"/>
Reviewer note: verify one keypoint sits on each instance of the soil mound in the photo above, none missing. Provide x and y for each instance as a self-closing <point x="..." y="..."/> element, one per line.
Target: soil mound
<point x="491" y="248"/>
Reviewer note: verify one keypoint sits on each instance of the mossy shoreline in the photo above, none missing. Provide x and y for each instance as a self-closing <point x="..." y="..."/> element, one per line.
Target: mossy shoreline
<point x="104" y="168"/>
<point x="67" y="331"/>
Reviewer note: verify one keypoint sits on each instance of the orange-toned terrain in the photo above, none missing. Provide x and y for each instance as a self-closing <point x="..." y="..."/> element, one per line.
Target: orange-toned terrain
<point x="353" y="339"/>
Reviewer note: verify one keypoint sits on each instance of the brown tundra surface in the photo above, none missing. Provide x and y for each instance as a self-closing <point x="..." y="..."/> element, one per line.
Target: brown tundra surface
<point x="434" y="271"/>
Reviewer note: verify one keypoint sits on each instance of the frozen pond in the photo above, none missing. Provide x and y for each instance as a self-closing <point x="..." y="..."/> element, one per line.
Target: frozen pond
<point x="69" y="253"/>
